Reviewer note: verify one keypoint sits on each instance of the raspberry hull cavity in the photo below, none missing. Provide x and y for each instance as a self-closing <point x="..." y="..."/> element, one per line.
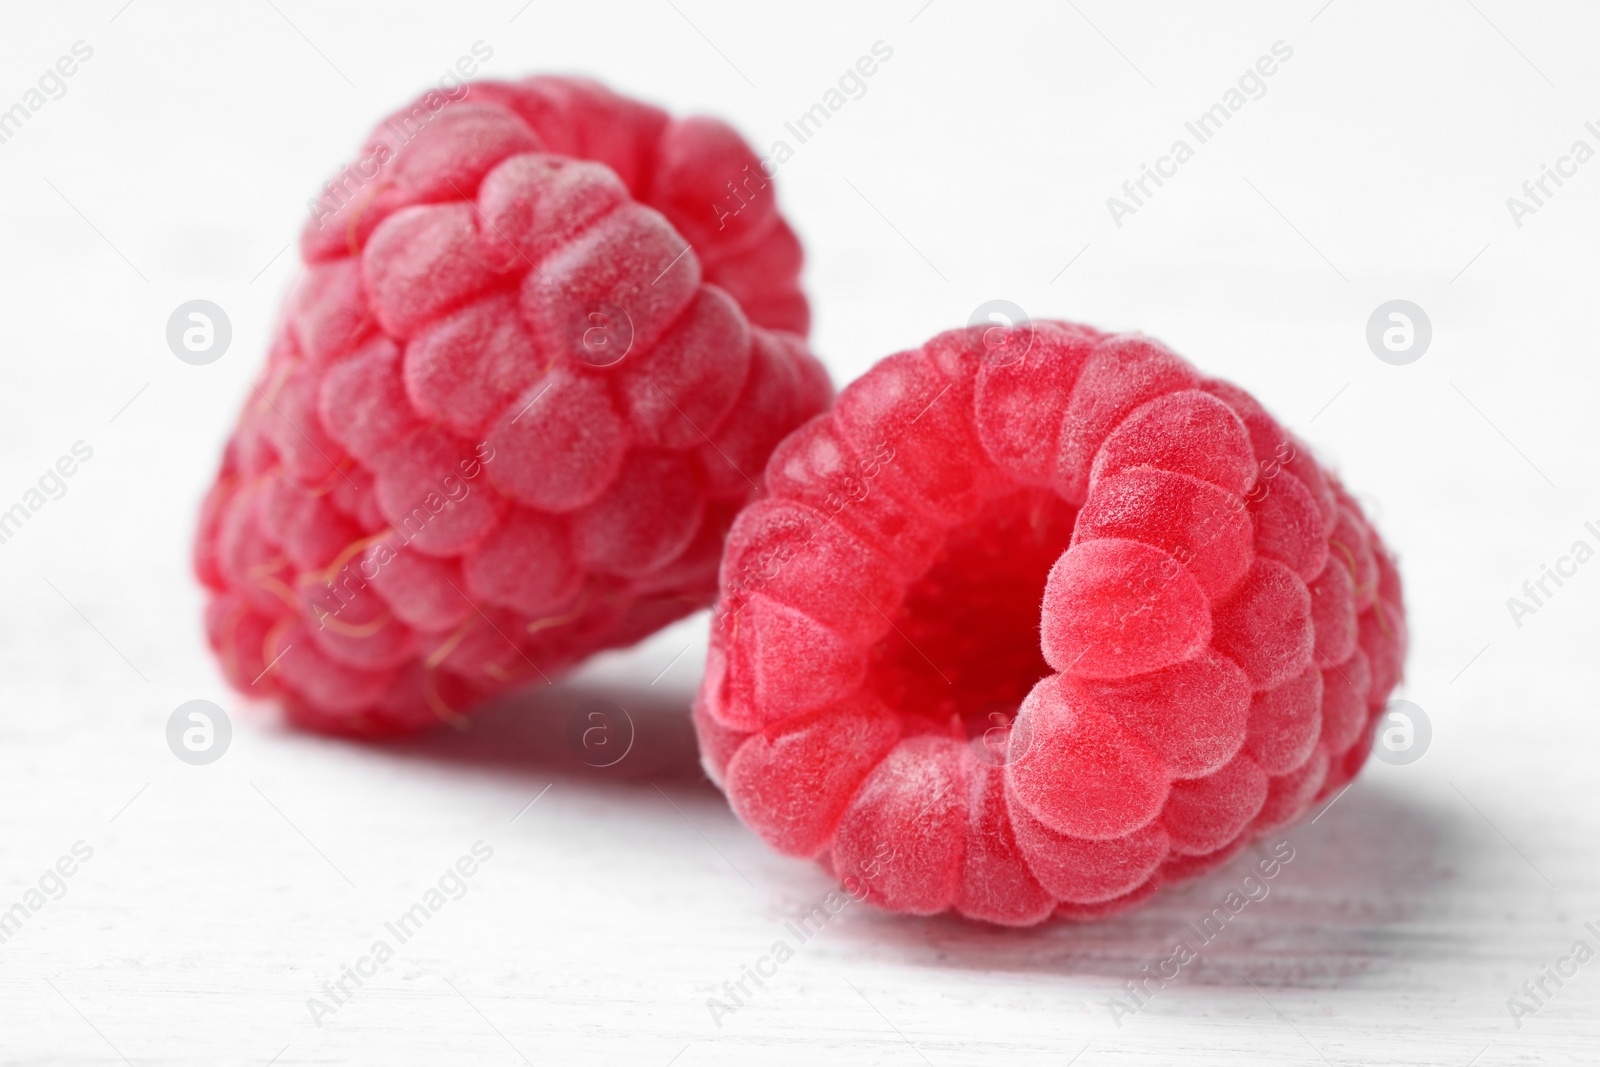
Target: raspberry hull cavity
<point x="1035" y="638"/>
<point x="531" y="371"/>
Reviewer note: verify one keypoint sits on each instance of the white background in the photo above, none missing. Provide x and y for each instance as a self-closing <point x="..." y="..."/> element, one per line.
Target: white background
<point x="977" y="166"/>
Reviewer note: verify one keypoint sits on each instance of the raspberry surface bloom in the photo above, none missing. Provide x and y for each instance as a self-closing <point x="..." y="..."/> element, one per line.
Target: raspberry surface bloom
<point x="1036" y="621"/>
<point x="543" y="343"/>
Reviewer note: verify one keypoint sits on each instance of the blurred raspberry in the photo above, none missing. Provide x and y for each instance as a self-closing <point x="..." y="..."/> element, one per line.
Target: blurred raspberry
<point x="510" y="410"/>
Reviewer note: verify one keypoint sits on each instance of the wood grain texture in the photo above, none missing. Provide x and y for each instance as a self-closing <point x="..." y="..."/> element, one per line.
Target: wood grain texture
<point x="615" y="906"/>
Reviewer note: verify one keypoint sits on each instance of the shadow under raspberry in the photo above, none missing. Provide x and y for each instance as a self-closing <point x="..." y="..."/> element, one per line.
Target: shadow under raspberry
<point x="573" y="731"/>
<point x="1365" y="887"/>
<point x="1368" y="885"/>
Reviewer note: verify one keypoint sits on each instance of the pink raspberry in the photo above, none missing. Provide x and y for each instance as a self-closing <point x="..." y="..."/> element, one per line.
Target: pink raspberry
<point x="545" y="340"/>
<point x="1023" y="637"/>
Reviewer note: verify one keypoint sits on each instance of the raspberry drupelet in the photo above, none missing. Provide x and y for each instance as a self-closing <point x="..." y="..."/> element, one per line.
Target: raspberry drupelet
<point x="533" y="367"/>
<point x="1037" y="621"/>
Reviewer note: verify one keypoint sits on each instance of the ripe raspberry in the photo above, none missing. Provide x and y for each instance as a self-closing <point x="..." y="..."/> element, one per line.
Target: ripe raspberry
<point x="1219" y="629"/>
<point x="543" y="335"/>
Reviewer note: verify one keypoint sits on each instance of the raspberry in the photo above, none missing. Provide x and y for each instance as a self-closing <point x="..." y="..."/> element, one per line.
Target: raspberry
<point x="1033" y="637"/>
<point x="545" y="338"/>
